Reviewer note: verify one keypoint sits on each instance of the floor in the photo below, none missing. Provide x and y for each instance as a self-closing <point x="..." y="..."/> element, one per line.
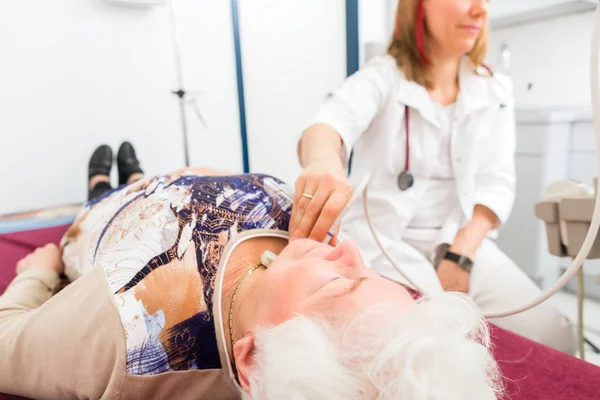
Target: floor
<point x="567" y="304"/>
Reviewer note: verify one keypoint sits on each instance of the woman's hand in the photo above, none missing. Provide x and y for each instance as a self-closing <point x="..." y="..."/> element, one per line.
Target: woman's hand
<point x="325" y="180"/>
<point x="467" y="241"/>
<point x="48" y="257"/>
<point x="452" y="277"/>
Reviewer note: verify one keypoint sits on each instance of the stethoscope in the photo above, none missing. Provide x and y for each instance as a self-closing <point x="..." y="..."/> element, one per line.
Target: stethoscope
<point x="406" y="180"/>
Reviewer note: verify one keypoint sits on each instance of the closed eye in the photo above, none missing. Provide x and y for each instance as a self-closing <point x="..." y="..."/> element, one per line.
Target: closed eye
<point x="348" y="289"/>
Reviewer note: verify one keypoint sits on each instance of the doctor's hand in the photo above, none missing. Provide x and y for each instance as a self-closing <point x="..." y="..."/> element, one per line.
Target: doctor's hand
<point x="322" y="191"/>
<point x="452" y="277"/>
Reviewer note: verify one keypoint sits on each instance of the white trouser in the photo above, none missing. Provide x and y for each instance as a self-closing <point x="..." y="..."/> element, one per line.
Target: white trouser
<point x="497" y="284"/>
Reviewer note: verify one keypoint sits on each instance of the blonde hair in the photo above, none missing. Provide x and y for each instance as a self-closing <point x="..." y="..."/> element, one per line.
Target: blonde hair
<point x="437" y="350"/>
<point x="410" y="42"/>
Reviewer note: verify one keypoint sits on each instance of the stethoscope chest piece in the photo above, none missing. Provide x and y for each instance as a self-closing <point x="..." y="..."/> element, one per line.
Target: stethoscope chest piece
<point x="405" y="180"/>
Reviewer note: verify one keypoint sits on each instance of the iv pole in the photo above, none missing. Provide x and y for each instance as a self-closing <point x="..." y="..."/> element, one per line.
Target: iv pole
<point x="181" y="93"/>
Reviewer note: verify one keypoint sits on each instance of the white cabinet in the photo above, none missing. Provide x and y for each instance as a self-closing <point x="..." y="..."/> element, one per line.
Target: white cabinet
<point x="551" y="145"/>
<point x="512" y="12"/>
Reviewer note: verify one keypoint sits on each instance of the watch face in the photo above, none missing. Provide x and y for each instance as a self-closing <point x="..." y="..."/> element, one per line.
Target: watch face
<point x="405" y="180"/>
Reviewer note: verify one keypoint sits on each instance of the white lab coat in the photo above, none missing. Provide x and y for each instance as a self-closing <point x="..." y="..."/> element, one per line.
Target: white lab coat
<point x="368" y="113"/>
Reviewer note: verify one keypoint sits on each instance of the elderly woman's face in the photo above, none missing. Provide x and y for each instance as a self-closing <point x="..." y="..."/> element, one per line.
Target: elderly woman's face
<point x="312" y="278"/>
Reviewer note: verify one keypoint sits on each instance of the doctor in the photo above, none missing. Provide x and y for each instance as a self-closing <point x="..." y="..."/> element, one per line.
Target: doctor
<point x="436" y="129"/>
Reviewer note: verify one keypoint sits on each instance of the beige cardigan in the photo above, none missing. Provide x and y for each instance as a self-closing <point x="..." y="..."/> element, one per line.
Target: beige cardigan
<point x="82" y="342"/>
<point x="72" y="346"/>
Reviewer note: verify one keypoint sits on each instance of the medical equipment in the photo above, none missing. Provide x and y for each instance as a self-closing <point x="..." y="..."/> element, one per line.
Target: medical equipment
<point x="566" y="209"/>
<point x="185" y="97"/>
<point x="595" y="223"/>
<point x="267" y="258"/>
<point x="573" y="269"/>
<point x="358" y="190"/>
<point x="406" y="180"/>
<point x="365" y="194"/>
<point x="180" y="92"/>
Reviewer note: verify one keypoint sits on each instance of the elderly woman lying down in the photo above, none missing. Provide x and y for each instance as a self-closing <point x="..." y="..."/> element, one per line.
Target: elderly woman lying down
<point x="174" y="297"/>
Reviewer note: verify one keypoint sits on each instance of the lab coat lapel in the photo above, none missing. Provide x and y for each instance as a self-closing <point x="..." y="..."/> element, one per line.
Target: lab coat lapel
<point x="416" y="97"/>
<point x="475" y="93"/>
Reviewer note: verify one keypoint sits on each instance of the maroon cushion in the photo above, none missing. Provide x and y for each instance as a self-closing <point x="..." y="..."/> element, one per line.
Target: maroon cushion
<point x="537" y="372"/>
<point x="16" y="245"/>
<point x="532" y="371"/>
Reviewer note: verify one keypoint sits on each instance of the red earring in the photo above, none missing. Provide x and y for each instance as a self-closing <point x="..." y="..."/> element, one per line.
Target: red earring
<point x="421" y="32"/>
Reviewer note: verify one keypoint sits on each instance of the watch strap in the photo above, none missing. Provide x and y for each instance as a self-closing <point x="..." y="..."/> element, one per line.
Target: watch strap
<point x="462" y="261"/>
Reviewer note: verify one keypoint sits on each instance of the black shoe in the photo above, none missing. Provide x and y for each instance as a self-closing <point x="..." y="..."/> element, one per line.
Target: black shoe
<point x="100" y="162"/>
<point x="127" y="163"/>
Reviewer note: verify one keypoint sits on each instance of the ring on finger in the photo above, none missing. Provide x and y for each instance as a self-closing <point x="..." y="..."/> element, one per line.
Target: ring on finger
<point x="307" y="195"/>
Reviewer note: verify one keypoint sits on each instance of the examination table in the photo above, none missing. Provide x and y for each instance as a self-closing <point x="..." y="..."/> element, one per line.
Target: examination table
<point x="531" y="371"/>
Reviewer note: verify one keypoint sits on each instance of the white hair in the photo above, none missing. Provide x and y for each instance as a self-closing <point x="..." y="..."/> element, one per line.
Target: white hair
<point x="437" y="349"/>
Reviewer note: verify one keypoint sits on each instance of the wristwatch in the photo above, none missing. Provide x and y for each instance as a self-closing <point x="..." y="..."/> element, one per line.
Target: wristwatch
<point x="462" y="261"/>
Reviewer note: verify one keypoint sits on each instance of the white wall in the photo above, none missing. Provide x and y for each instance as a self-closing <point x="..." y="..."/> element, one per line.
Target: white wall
<point x="375" y="25"/>
<point x="553" y="55"/>
<point x="78" y="73"/>
<point x="294" y="54"/>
